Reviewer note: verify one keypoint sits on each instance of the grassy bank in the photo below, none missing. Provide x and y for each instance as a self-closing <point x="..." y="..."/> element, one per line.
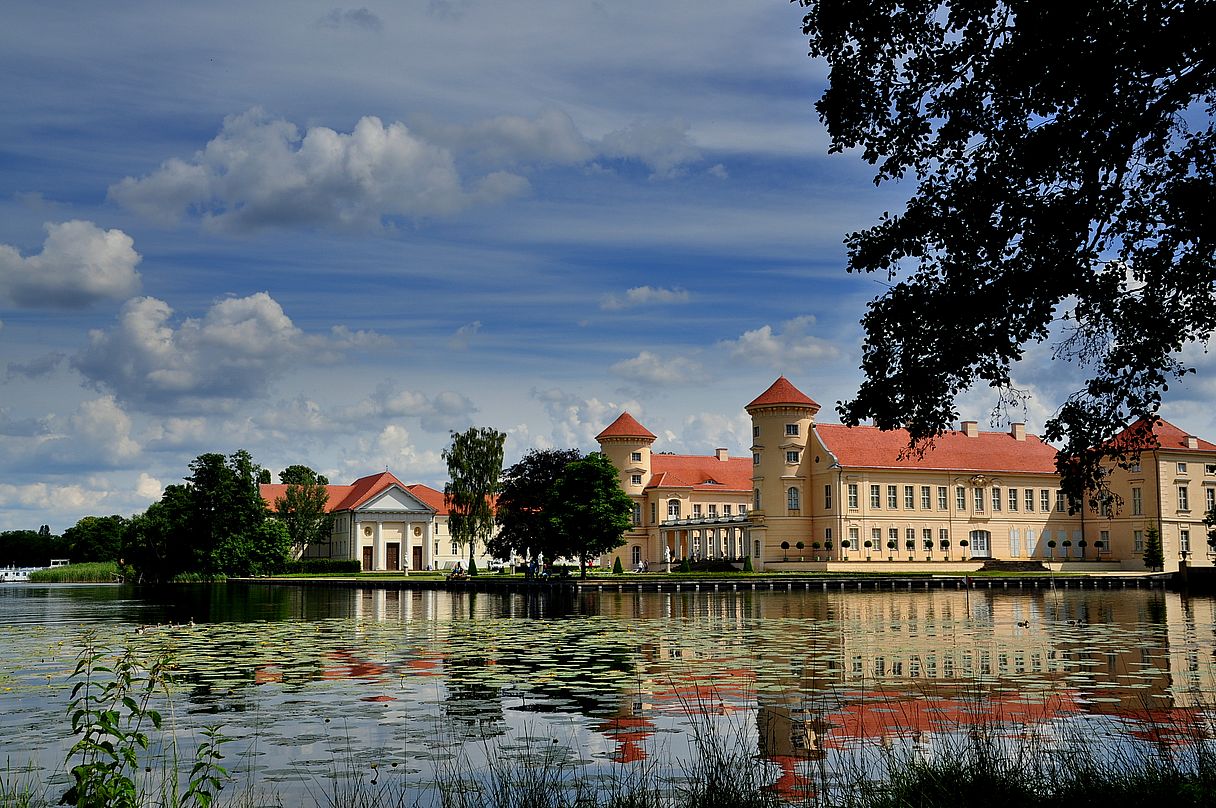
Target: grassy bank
<point x="91" y="573"/>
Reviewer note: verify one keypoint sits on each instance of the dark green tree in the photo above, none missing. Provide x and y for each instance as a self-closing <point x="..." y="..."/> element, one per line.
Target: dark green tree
<point x="1209" y="521"/>
<point x="212" y="525"/>
<point x="474" y="461"/>
<point x="95" y="538"/>
<point x="1064" y="160"/>
<point x="301" y="475"/>
<point x="521" y="511"/>
<point x="30" y="548"/>
<point x="590" y="509"/>
<point x="264" y="477"/>
<point x="1154" y="558"/>
<point x="302" y="508"/>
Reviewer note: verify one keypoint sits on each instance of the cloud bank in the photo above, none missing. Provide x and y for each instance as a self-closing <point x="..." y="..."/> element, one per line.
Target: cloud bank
<point x="80" y="264"/>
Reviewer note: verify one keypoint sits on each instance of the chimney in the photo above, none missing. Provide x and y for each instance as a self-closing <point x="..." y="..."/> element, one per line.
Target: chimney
<point x="722" y="454"/>
<point x="971" y="429"/>
<point x="1018" y="431"/>
<point x="1192" y="442"/>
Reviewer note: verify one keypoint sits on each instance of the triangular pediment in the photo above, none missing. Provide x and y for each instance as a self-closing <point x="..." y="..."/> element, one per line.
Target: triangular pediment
<point x="396" y="498"/>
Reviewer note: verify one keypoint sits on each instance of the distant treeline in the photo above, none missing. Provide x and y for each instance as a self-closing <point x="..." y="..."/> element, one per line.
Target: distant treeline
<point x="93" y="538"/>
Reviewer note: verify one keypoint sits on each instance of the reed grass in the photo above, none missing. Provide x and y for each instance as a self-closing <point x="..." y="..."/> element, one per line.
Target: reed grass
<point x="88" y="573"/>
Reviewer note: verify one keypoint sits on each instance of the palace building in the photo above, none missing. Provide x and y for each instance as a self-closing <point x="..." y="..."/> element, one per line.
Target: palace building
<point x="817" y="494"/>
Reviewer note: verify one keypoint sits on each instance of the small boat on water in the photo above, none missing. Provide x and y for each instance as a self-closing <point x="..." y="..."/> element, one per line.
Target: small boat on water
<point x="16" y="574"/>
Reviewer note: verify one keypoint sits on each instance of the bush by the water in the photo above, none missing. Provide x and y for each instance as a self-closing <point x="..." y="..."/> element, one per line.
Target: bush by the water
<point x="317" y="566"/>
<point x="91" y="573"/>
<point x="617" y="567"/>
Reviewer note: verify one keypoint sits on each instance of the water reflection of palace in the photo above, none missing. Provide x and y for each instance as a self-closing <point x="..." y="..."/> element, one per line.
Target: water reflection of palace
<point x="807" y="673"/>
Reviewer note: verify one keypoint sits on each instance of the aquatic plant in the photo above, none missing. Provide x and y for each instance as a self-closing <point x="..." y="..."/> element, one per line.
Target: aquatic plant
<point x="91" y="572"/>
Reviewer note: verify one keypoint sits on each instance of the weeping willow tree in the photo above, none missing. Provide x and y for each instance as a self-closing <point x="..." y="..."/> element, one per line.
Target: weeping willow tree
<point x="474" y="461"/>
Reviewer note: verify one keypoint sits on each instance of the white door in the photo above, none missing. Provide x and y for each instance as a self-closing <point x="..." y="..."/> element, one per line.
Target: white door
<point x="981" y="543"/>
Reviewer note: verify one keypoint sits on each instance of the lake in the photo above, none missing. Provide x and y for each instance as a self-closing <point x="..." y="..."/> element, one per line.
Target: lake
<point x="311" y="683"/>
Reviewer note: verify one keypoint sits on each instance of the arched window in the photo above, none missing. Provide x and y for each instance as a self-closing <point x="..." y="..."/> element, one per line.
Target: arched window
<point x="791" y="498"/>
<point x="756" y="499"/>
<point x="673" y="509"/>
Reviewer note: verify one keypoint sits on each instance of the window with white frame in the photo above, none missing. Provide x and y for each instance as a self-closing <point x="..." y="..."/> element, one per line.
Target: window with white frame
<point x="1059" y="501"/>
<point x="1184" y="541"/>
<point x="1104" y="537"/>
<point x="875" y="496"/>
<point x="893" y="534"/>
<point x="713" y="510"/>
<point x="909" y="497"/>
<point x="636" y="457"/>
<point x="978" y="498"/>
<point x="1182" y="468"/>
<point x="791" y="498"/>
<point x="827" y="534"/>
<point x="996" y="499"/>
<point x="1030" y="499"/>
<point x="943" y="534"/>
<point x="756" y="498"/>
<point x="827" y="497"/>
<point x="1013" y="499"/>
<point x="1138" y="541"/>
<point x="637" y="513"/>
<point x="926" y="497"/>
<point x="755" y="431"/>
<point x="635" y="479"/>
<point x="791" y="458"/>
<point x="726" y="509"/>
<point x="654" y="512"/>
<point x="696" y="510"/>
<point x="942" y="501"/>
<point x="853" y="537"/>
<point x="1184" y="502"/>
<point x="791" y="430"/>
<point x="743" y="506"/>
<point x="876" y="536"/>
<point x="1209" y="494"/>
<point x="892" y="496"/>
<point x="1044" y="500"/>
<point x="673" y="509"/>
<point x="1209" y="470"/>
<point x="960" y="498"/>
<point x="853" y="495"/>
<point x="455" y="548"/>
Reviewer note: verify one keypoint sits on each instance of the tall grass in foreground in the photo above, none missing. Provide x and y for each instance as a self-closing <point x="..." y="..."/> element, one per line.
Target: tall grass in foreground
<point x="90" y="573"/>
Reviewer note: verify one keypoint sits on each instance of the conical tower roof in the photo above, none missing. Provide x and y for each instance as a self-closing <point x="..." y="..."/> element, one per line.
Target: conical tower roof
<point x="782" y="393"/>
<point x="625" y="426"/>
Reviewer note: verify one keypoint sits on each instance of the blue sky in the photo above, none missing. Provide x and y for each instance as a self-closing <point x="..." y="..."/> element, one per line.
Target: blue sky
<point x="330" y="234"/>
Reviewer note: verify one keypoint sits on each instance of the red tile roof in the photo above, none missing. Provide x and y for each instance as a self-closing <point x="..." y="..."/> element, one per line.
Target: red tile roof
<point x="1169" y="437"/>
<point x="782" y="392"/>
<point x="701" y="473"/>
<point x="346" y="497"/>
<point x="625" y="426"/>
<point x="429" y="496"/>
<point x="870" y="447"/>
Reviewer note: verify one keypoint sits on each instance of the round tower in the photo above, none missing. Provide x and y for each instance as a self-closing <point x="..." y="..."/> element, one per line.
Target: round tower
<point x="782" y="418"/>
<point x="627" y="444"/>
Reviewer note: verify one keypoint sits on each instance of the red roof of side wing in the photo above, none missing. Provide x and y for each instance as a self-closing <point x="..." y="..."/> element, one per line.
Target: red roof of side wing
<point x="341" y="497"/>
<point x="870" y="447"/>
<point x="703" y="473"/>
<point x="1169" y="437"/>
<point x="625" y="426"/>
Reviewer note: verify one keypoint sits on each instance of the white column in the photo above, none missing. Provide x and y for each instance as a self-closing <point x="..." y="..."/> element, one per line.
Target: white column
<point x="378" y="552"/>
<point x="428" y="545"/>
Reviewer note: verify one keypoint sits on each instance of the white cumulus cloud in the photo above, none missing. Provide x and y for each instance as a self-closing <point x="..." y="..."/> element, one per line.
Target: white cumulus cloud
<point x="781" y="349"/>
<point x="645" y="296"/>
<point x="79" y="264"/>
<point x="576" y="421"/>
<point x="230" y="353"/>
<point x="148" y="487"/>
<point x="652" y="369"/>
<point x="259" y="171"/>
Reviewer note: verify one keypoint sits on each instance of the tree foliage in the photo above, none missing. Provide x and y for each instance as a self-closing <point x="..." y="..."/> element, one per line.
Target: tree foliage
<point x="522" y="509"/>
<point x="213" y="525"/>
<point x="301" y="509"/>
<point x="474" y="461"/>
<point x="95" y="538"/>
<point x="30" y="548"/>
<point x="590" y="509"/>
<point x="1065" y="166"/>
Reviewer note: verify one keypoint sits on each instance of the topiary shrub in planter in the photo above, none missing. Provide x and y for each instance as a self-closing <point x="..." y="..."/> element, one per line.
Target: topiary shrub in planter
<point x="747" y="564"/>
<point x="473" y="566"/>
<point x="617" y="567"/>
<point x="684" y="566"/>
